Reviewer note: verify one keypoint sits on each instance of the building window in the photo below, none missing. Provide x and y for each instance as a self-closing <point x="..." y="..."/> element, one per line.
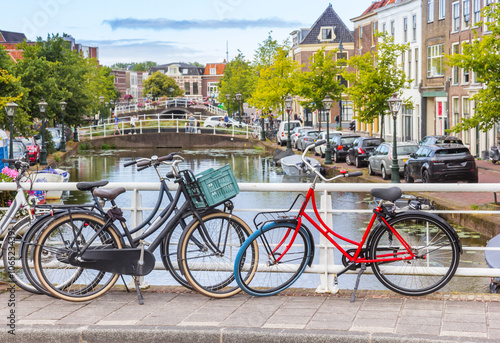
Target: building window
<point x="466" y="15"/>
<point x="342" y="81"/>
<point x="456" y="70"/>
<point x="455" y="110"/>
<point x="430" y="11"/>
<point x="465" y="115"/>
<point x="187" y="88"/>
<point x="435" y="60"/>
<point x="466" y="76"/>
<point x="488" y="2"/>
<point x="416" y="67"/>
<point x="185" y="71"/>
<point x="195" y="88"/>
<point x="374" y="30"/>
<point x="414" y="27"/>
<point x="442" y="9"/>
<point x="477" y="11"/>
<point x="360" y="37"/>
<point x="405" y="29"/>
<point x="392" y="29"/>
<point x="384" y="27"/>
<point x="409" y="64"/>
<point x="326" y="34"/>
<point x="213" y="71"/>
<point x="456" y="16"/>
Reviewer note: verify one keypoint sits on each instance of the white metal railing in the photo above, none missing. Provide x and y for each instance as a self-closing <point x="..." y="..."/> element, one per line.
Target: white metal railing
<point x="158" y="122"/>
<point x="327" y="266"/>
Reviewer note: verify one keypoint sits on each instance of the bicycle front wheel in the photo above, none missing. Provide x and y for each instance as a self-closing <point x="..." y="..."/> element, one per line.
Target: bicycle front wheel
<point x="282" y="258"/>
<point x="63" y="238"/>
<point x="208" y="250"/>
<point x="435" y="245"/>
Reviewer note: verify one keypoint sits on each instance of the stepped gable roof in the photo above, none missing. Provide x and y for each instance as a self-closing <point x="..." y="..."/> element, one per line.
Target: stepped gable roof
<point x="12" y="37"/>
<point x="329" y="18"/>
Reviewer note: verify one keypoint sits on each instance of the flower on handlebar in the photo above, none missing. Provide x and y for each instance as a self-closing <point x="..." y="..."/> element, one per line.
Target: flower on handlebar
<point x="8" y="174"/>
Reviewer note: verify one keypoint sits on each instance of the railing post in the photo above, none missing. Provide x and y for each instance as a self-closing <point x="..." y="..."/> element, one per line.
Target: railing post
<point x="233" y="130"/>
<point x="104" y="129"/>
<point x="136" y="219"/>
<point x="123" y="130"/>
<point x="158" y="123"/>
<point x="177" y="125"/>
<point x="90" y="133"/>
<point x="247" y="131"/>
<point x="140" y="126"/>
<point x="326" y="256"/>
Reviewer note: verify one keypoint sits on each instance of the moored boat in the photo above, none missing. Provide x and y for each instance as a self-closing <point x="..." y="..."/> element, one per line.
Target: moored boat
<point x="50" y="174"/>
<point x="294" y="166"/>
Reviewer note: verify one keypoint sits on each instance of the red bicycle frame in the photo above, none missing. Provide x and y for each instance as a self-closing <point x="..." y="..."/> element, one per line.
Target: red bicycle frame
<point x="326" y="231"/>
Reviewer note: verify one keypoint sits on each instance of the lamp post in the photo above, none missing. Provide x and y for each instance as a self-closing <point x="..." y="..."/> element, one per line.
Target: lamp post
<point x="327" y="104"/>
<point x="63" y="138"/>
<point x="11" y="108"/>
<point x="288" y="104"/>
<point x="228" y="97"/>
<point x="394" y="105"/>
<point x="42" y="105"/>
<point x="262" y="132"/>
<point x="341" y="110"/>
<point x="238" y="97"/>
<point x="101" y="110"/>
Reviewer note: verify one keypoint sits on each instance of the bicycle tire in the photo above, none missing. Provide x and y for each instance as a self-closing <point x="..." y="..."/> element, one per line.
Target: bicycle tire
<point x="423" y="232"/>
<point x="57" y="241"/>
<point x="272" y="277"/>
<point x="11" y="255"/>
<point x="209" y="270"/>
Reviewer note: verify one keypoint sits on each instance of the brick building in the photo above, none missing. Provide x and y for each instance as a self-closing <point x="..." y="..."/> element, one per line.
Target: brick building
<point x="210" y="80"/>
<point x="188" y="77"/>
<point x="10" y="40"/>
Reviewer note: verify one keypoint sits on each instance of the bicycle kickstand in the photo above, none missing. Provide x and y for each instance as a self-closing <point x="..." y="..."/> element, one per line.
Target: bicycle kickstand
<point x="139" y="294"/>
<point x="363" y="268"/>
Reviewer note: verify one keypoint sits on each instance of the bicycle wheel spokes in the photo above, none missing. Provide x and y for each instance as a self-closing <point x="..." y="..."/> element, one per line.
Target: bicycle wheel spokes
<point x="436" y="255"/>
<point x="275" y="271"/>
<point x="208" y="254"/>
<point x="57" y="246"/>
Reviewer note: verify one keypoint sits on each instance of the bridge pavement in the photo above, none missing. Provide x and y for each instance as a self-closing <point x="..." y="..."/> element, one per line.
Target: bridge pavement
<point x="171" y="314"/>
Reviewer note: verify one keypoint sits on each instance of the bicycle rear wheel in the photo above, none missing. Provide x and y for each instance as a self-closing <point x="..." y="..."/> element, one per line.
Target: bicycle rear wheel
<point x="273" y="275"/>
<point x="168" y="248"/>
<point x="58" y="242"/>
<point x="11" y="255"/>
<point x="435" y="245"/>
<point x="208" y="250"/>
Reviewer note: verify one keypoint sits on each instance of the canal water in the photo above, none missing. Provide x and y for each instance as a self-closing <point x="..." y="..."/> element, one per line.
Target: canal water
<point x="251" y="166"/>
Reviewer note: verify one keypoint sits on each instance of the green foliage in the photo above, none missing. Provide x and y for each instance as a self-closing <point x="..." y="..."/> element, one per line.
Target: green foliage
<point x="57" y="157"/>
<point x="265" y="54"/>
<point x="321" y="80"/>
<point x="376" y="77"/>
<point x="136" y="66"/>
<point x="239" y="77"/>
<point x="160" y="84"/>
<point x="105" y="146"/>
<point x="482" y="56"/>
<point x="113" y="146"/>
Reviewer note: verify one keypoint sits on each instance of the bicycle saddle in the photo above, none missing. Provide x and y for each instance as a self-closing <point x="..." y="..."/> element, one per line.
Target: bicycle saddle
<point x="390" y="194"/>
<point x="108" y="194"/>
<point x="87" y="186"/>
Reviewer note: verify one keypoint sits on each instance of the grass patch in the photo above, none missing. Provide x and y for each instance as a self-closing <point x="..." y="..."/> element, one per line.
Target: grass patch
<point x="105" y="147"/>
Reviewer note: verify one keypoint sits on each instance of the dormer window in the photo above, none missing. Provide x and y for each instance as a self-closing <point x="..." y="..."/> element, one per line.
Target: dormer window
<point x="326" y="34"/>
<point x="213" y="71"/>
<point x="184" y="71"/>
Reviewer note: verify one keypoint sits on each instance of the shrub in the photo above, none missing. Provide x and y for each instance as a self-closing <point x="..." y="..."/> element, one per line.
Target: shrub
<point x="105" y="146"/>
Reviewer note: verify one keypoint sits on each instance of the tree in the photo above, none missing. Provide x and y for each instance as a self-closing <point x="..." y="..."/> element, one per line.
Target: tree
<point x="265" y="54"/>
<point x="482" y="57"/>
<point x="375" y="78"/>
<point x="239" y="77"/>
<point x="321" y="80"/>
<point x="143" y="66"/>
<point x="276" y="82"/>
<point x="159" y="84"/>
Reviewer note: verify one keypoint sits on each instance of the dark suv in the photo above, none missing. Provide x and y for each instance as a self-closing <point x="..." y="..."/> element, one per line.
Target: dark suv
<point x="441" y="163"/>
<point x="428" y="140"/>
<point x="340" y="145"/>
<point x="361" y="149"/>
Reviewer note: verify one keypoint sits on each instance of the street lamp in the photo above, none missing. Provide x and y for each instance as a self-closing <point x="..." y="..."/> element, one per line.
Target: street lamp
<point x="327" y="104"/>
<point x="42" y="105"/>
<point x="288" y="104"/>
<point x="394" y="105"/>
<point x="228" y="97"/>
<point x="238" y="97"/>
<point x="63" y="138"/>
<point x="11" y="108"/>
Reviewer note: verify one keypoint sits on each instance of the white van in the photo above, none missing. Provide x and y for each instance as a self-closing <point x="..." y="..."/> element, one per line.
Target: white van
<point x="282" y="134"/>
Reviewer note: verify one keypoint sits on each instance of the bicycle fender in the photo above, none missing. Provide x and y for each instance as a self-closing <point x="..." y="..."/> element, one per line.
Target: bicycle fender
<point x="410" y="214"/>
<point x="292" y="223"/>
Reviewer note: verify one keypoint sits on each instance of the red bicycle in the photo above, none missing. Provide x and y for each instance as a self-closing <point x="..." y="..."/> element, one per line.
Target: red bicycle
<point x="411" y="252"/>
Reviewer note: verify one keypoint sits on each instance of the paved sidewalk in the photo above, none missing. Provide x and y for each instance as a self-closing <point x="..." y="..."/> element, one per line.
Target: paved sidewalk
<point x="172" y="315"/>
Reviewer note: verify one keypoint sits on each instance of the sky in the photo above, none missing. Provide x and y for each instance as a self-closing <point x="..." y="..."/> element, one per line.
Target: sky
<point x="167" y="31"/>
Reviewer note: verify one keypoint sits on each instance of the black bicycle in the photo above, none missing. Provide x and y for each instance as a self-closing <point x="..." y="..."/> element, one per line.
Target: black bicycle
<point x="87" y="252"/>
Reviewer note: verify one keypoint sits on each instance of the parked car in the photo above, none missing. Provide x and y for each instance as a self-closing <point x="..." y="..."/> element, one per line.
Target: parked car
<point x="428" y="140"/>
<point x="19" y="150"/>
<point x="320" y="149"/>
<point x="213" y="121"/>
<point x="441" y="163"/>
<point x="56" y="136"/>
<point x="282" y="134"/>
<point x="340" y="146"/>
<point x="180" y="102"/>
<point x="295" y="133"/>
<point x="306" y="138"/>
<point x="361" y="149"/>
<point x="235" y="122"/>
<point x="33" y="148"/>
<point x="380" y="160"/>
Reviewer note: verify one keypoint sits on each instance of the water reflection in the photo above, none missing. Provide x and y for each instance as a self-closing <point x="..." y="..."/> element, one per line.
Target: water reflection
<point x="250" y="165"/>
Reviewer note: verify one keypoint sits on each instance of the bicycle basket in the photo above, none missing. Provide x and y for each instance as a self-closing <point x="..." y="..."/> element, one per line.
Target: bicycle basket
<point x="212" y="187"/>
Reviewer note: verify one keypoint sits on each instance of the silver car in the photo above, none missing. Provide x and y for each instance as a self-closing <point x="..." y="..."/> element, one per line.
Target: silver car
<point x="306" y="138"/>
<point x="380" y="161"/>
